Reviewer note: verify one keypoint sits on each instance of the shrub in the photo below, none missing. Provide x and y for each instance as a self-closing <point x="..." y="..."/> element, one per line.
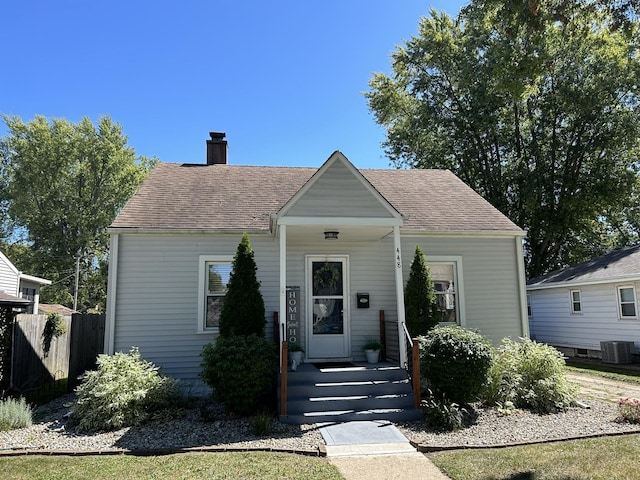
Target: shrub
<point x="531" y="376"/>
<point x="123" y="391"/>
<point x="14" y="414"/>
<point x="442" y="415"/>
<point x="629" y="410"/>
<point x="240" y="370"/>
<point x="454" y="363"/>
<point x="420" y="302"/>
<point x="243" y="308"/>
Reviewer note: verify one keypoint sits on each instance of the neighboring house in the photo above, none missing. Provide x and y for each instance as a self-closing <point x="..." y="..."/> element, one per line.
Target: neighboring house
<point x="173" y="243"/>
<point x="20" y="285"/>
<point x="47" y="308"/>
<point x="577" y="308"/>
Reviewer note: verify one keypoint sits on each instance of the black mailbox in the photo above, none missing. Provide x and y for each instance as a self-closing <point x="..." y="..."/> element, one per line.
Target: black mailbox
<point x="363" y="300"/>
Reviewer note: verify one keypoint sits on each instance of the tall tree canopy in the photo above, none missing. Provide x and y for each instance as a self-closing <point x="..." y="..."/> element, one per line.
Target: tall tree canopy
<point x="535" y="106"/>
<point x="63" y="184"/>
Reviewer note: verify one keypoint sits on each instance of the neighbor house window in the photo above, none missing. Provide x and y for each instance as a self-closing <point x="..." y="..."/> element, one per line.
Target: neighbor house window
<point x="214" y="278"/>
<point x="444" y="283"/>
<point x="627" y="301"/>
<point x="576" y="302"/>
<point x="28" y="294"/>
<point x="529" y="311"/>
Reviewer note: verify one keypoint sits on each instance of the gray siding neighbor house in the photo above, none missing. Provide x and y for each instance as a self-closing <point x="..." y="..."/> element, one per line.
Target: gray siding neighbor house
<point x="173" y="243"/>
<point x="589" y="308"/>
<point x="18" y="287"/>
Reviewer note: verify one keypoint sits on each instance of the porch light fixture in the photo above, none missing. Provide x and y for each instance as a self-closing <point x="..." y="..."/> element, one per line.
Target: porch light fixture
<point x="331" y="235"/>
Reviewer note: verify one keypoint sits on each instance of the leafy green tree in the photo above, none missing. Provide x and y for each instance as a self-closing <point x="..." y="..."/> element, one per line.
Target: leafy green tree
<point x="420" y="302"/>
<point x="64" y="184"/>
<point x="243" y="309"/>
<point x="534" y="106"/>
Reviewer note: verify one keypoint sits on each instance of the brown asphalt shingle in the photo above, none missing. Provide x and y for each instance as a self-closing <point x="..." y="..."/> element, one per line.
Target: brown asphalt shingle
<point x="231" y="197"/>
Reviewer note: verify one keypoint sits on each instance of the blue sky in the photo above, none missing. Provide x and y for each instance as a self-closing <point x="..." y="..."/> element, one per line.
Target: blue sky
<point x="283" y="79"/>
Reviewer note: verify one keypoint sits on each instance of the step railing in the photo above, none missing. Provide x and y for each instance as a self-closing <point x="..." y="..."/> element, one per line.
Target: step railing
<point x="284" y="353"/>
<point x="413" y="364"/>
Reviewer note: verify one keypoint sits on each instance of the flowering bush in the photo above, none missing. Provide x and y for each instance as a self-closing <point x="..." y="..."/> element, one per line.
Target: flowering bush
<point x="629" y="410"/>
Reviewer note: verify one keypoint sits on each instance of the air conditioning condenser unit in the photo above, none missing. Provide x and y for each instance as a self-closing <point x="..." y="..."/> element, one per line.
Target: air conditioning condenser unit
<point x="617" y="351"/>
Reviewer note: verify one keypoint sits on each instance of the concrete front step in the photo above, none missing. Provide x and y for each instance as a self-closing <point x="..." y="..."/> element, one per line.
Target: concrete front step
<point x="360" y="392"/>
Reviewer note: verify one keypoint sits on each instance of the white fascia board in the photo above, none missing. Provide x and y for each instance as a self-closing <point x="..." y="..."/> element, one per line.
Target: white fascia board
<point x="341" y="221"/>
<point x="31" y="278"/>
<point x="170" y="231"/>
<point x="578" y="283"/>
<point x="466" y="233"/>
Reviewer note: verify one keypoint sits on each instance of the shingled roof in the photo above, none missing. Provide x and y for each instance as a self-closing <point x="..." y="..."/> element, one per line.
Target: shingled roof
<point x="618" y="265"/>
<point x="233" y="198"/>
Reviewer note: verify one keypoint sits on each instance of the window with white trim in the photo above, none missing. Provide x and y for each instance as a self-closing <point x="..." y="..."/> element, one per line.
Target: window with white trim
<point x="576" y="301"/>
<point x="214" y="278"/>
<point x="627" y="301"/>
<point x="444" y="283"/>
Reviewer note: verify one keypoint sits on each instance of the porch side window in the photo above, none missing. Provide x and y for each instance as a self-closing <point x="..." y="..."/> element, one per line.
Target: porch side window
<point x="28" y="294"/>
<point x="214" y="278"/>
<point x="576" y="301"/>
<point x="444" y="283"/>
<point x="627" y="301"/>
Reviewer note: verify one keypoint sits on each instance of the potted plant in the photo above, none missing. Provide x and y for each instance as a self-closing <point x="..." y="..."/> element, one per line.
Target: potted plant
<point x="372" y="350"/>
<point x="295" y="354"/>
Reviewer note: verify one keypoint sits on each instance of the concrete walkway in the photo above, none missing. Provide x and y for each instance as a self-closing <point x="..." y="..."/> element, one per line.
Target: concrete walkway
<point x="375" y="450"/>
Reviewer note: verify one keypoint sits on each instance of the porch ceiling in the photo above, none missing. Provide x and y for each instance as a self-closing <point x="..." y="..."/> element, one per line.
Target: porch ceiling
<point x="347" y="234"/>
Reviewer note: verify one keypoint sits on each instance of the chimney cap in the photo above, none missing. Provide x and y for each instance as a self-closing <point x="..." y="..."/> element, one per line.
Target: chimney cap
<point x="217" y="135"/>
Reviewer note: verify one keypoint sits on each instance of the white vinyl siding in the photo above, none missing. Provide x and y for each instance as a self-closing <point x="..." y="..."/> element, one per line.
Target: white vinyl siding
<point x="338" y="194"/>
<point x="576" y="302"/>
<point x="553" y="323"/>
<point x="8" y="277"/>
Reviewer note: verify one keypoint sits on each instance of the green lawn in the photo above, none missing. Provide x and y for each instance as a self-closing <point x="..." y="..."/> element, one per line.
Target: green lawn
<point x="210" y="466"/>
<point x="611" y="458"/>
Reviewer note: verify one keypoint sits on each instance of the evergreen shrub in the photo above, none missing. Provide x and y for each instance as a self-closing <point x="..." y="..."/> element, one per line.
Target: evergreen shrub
<point x="454" y="363"/>
<point x="420" y="302"/>
<point x="123" y="391"/>
<point x="240" y="370"/>
<point x="243" y="310"/>
<point x="530" y="375"/>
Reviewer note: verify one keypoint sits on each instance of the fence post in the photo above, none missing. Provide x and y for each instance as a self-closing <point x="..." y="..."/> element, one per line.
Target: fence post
<point x="415" y="374"/>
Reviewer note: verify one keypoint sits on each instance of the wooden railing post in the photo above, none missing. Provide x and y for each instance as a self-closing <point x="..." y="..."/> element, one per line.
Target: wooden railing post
<point x="283" y="378"/>
<point x="383" y="337"/>
<point x="415" y="374"/>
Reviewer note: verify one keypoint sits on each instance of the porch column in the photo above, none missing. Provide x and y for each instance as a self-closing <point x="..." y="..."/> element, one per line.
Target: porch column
<point x="399" y="294"/>
<point x="282" y="317"/>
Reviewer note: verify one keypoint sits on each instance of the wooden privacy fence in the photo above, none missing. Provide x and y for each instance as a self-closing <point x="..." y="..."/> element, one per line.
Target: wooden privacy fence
<point x="69" y="355"/>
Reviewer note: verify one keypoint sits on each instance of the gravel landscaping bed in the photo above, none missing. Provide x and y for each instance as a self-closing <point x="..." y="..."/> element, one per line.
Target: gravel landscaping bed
<point x="493" y="429"/>
<point x="52" y="432"/>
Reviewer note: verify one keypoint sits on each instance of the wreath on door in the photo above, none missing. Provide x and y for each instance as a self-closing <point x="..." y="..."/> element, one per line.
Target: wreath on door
<point x="326" y="276"/>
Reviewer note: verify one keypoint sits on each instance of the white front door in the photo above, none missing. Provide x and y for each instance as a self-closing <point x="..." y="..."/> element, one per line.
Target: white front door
<point x="328" y="332"/>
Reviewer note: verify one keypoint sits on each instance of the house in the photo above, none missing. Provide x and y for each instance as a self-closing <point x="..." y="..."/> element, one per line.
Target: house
<point x="577" y="308"/>
<point x="19" y="287"/>
<point x="172" y="247"/>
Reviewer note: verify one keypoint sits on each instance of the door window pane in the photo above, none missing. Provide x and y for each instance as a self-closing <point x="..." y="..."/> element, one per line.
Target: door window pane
<point x="327" y="316"/>
<point x="327" y="278"/>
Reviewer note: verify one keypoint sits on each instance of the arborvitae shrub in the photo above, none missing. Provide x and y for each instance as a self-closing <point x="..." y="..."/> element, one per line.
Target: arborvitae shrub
<point x="531" y="375"/>
<point x="454" y="363"/>
<point x="240" y="370"/>
<point x="123" y="391"/>
<point x="243" y="310"/>
<point x="420" y="302"/>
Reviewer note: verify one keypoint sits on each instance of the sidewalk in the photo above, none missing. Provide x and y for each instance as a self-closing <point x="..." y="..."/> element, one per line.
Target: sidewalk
<point x="375" y="450"/>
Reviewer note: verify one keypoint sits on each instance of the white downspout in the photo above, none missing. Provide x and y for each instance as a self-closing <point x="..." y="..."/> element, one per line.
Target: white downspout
<point x="110" y="317"/>
<point x="397" y="252"/>
<point x="523" y="289"/>
<point x="282" y="230"/>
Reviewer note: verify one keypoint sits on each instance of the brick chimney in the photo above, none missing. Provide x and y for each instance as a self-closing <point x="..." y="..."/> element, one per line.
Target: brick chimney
<point x="217" y="149"/>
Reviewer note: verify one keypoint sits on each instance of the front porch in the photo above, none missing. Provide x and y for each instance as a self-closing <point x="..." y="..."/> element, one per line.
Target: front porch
<point x="348" y="391"/>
